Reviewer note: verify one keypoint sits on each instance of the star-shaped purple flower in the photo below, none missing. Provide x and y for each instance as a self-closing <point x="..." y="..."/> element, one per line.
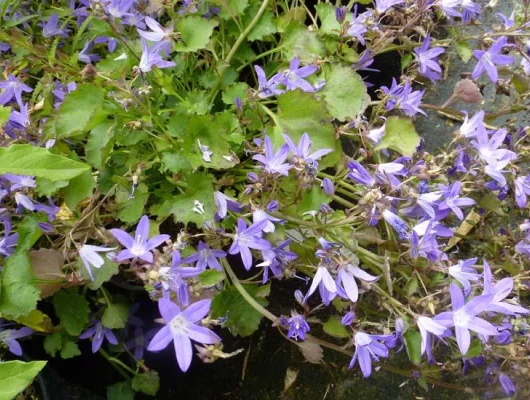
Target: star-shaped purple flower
<point x="489" y="59"/>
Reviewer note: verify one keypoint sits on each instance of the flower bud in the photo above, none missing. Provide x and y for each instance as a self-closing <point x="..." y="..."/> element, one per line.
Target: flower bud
<point x="467" y="91"/>
<point x="340" y="14"/>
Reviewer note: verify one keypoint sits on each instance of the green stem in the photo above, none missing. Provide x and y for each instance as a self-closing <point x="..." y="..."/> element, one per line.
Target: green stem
<point x="115" y="365"/>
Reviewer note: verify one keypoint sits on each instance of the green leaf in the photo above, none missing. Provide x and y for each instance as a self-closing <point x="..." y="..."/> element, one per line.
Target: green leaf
<point x="5" y="112"/>
<point x="412" y="286"/>
<point x="101" y="275"/>
<point x="53" y="343"/>
<point x="131" y="209"/>
<point x="75" y="115"/>
<point x="265" y="26"/>
<point x="239" y="89"/>
<point x="195" y="31"/>
<point x="400" y="135"/>
<point x="519" y="82"/>
<point x="187" y="207"/>
<point x="413" y="345"/>
<point x="334" y="327"/>
<point x="464" y="50"/>
<point x="303" y="43"/>
<point x="120" y="391"/>
<point x="230" y="8"/>
<point x="329" y="23"/>
<point x="147" y="383"/>
<point x="115" y="316"/>
<point x="345" y="93"/>
<point x="475" y="349"/>
<point x="70" y="350"/>
<point x="47" y="188"/>
<point x="243" y="319"/>
<point x="489" y="202"/>
<point x="300" y="112"/>
<point x="211" y="277"/>
<point x="78" y="189"/>
<point x="25" y="159"/>
<point x="15" y="376"/>
<point x="18" y="295"/>
<point x="312" y="200"/>
<point x="72" y="310"/>
<point x="99" y="144"/>
<point x="61" y="342"/>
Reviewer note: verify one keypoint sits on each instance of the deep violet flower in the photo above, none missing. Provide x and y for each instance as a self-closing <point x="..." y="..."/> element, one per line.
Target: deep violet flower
<point x="141" y="245"/>
<point x="489" y="59"/>
<point x="181" y="327"/>
<point x="293" y="78"/>
<point x="428" y="65"/>
<point x="297" y="325"/>
<point x="274" y="163"/>
<point x="85" y="56"/>
<point x="359" y="174"/>
<point x="367" y="348"/>
<point x="247" y="238"/>
<point x="464" y="317"/>
<point x="50" y="28"/>
<point x="98" y="333"/>
<point x="507" y="385"/>
<point x="403" y="97"/>
<point x="452" y="199"/>
<point x="13" y="88"/>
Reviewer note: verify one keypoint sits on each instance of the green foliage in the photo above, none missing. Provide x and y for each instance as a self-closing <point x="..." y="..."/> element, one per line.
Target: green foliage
<point x="211" y="277"/>
<point x="334" y="327"/>
<point x="130" y="209"/>
<point x="64" y="344"/>
<point x="5" y="112"/>
<point x="243" y="319"/>
<point x="147" y="382"/>
<point x="15" y="376"/>
<point x="400" y="135"/>
<point x="300" y="112"/>
<point x="101" y="275"/>
<point x="120" y="391"/>
<point x="72" y="310"/>
<point x="413" y="345"/>
<point x="302" y="43"/>
<point x="464" y="50"/>
<point x="115" y="315"/>
<point x="78" y="113"/>
<point x="18" y="295"/>
<point x="345" y="93"/>
<point x="25" y="159"/>
<point x="195" y="31"/>
<point x="79" y="189"/>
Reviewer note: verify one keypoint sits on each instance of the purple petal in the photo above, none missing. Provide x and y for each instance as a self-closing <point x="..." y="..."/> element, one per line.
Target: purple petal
<point x="197" y="311"/>
<point x="161" y="339"/>
<point x="183" y="351"/>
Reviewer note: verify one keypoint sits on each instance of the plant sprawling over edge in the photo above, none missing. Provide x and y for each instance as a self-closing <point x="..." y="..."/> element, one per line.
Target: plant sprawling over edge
<point x="195" y="149"/>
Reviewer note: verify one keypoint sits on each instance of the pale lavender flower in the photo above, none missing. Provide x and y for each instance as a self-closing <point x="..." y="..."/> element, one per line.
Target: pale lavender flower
<point x="358" y="25"/>
<point x="9" y="241"/>
<point x="10" y="336"/>
<point x="297" y="325"/>
<point x="158" y="32"/>
<point x="522" y="190"/>
<point x="489" y="151"/>
<point x="225" y="203"/>
<point x="428" y="326"/>
<point x="366" y="349"/>
<point x="90" y="257"/>
<point x="151" y="57"/>
<point x="293" y="78"/>
<point x="428" y="65"/>
<point x="85" y="56"/>
<point x="375" y="135"/>
<point x="61" y="91"/>
<point x="452" y="199"/>
<point x="507" y="385"/>
<point x="325" y="283"/>
<point x="119" y="8"/>
<point x="359" y="174"/>
<point x="13" y="87"/>
<point x="274" y="163"/>
<point x="508" y="22"/>
<point x="383" y="5"/>
<point x="141" y="245"/>
<point x="24" y="201"/>
<point x="173" y="278"/>
<point x="347" y="286"/>
<point x="448" y="7"/>
<point x="523" y="246"/>
<point x="247" y="238"/>
<point x="327" y="185"/>
<point x="20" y="181"/>
<point x="489" y="59"/>
<point x="50" y="28"/>
<point x="464" y="272"/>
<point x="259" y="215"/>
<point x="205" y="150"/>
<point x="500" y="291"/>
<point x="267" y="88"/>
<point x="98" y="333"/>
<point x="205" y="257"/>
<point x="472" y="125"/>
<point x="112" y="43"/>
<point x="181" y="327"/>
<point x="301" y="153"/>
<point x="470" y="9"/>
<point x="464" y="317"/>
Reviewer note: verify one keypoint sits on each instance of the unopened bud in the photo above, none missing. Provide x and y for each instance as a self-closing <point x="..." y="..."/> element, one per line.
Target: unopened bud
<point x="467" y="91"/>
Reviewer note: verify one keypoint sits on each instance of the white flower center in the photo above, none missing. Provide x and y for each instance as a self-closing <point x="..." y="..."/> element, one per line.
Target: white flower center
<point x="461" y="318"/>
<point x="178" y="325"/>
<point x="138" y="247"/>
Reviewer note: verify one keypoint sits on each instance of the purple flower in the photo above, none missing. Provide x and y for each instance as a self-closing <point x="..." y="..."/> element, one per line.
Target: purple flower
<point x="347" y="286"/>
<point x="500" y="291"/>
<point x="50" y="210"/>
<point x="471" y="10"/>
<point x="522" y="189"/>
<point x="112" y="43"/>
<point x="9" y="241"/>
<point x="428" y="326"/>
<point x="301" y="155"/>
<point x="13" y="87"/>
<point x="267" y="88"/>
<point x="382" y="5"/>
<point x="90" y="257"/>
<point x="85" y="55"/>
<point x="325" y="283"/>
<point x="488" y="60"/>
<point x="141" y="245"/>
<point x="298" y="326"/>
<point x="327" y="185"/>
<point x="348" y="318"/>
<point x="470" y="127"/>
<point x="293" y="78"/>
<point x="366" y="349"/>
<point x="61" y="91"/>
<point x="508" y="22"/>
<point x="464" y="317"/>
<point x="50" y="28"/>
<point x="507" y="385"/>
<point x="340" y="14"/>
<point x="428" y="65"/>
<point x="181" y="326"/>
<point x="259" y="215"/>
<point x="158" y="34"/>
<point x="274" y="163"/>
<point x="119" y="8"/>
<point x="225" y="203"/>
<point x="98" y="333"/>
<point x="23" y="202"/>
<point x="10" y="336"/>
<point x="397" y="223"/>
<point x="20" y="181"/>
<point x="205" y="257"/>
<point x="403" y="97"/>
<point x="448" y="7"/>
<point x="453" y="201"/>
<point x="276" y="260"/>
<point x="359" y="174"/>
<point x="139" y="342"/>
<point x="358" y="26"/>
<point x="247" y="238"/>
<point x="151" y="57"/>
<point x="463" y="273"/>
